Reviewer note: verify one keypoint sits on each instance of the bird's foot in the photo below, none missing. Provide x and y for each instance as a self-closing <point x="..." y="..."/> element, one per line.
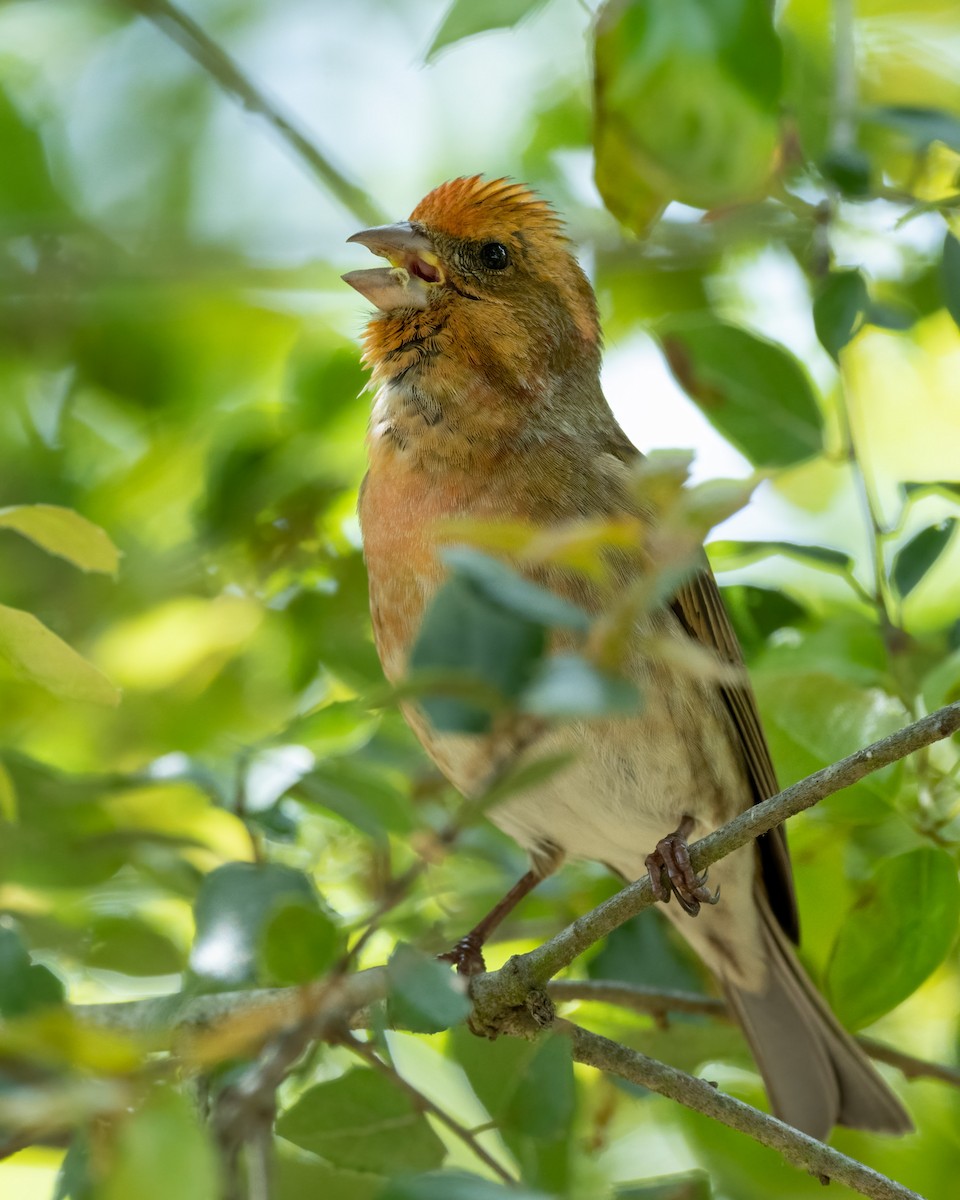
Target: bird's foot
<point x="466" y="956"/>
<point x="672" y="858"/>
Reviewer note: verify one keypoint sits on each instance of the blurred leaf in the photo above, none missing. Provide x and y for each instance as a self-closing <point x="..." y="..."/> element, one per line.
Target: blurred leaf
<point x="757" y="612"/>
<point x="849" y="169"/>
<point x="454" y="1185"/>
<point x="362" y="795"/>
<point x="24" y="986"/>
<point x="729" y="555"/>
<point x="527" y="1087"/>
<point x="161" y="1150"/>
<point x="363" y="1122"/>
<point x="424" y="996"/>
<point x="751" y="390"/>
<point x="73" y="1178"/>
<point x="36" y="652"/>
<point x="567" y="685"/>
<point x="693" y="1185"/>
<point x="921" y="125"/>
<point x="298" y="1175"/>
<point x="686" y="100"/>
<point x="129" y="944"/>
<point x="464" y="18"/>
<point x="911" y="489"/>
<point x="502" y="585"/>
<point x="899" y="932"/>
<point x="28" y="199"/>
<point x="838" y="310"/>
<point x="298" y="944"/>
<point x="488" y="624"/>
<point x="917" y="557"/>
<point x="233" y="908"/>
<point x="63" y="532"/>
<point x="647" y="951"/>
<point x="950" y="276"/>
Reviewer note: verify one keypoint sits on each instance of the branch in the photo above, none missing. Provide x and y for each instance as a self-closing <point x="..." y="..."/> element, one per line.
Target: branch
<point x="659" y="1004"/>
<point x="524" y="973"/>
<point x="182" y="29"/>
<point x="799" y="1149"/>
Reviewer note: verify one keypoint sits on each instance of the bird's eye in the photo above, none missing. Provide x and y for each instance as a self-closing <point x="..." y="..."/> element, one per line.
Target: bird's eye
<point x="494" y="256"/>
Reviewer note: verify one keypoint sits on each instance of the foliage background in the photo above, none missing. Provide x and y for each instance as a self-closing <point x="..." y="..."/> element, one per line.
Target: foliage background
<point x="179" y="364"/>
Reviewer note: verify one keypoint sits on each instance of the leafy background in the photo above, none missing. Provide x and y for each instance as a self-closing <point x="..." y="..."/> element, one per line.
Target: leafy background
<point x="179" y="368"/>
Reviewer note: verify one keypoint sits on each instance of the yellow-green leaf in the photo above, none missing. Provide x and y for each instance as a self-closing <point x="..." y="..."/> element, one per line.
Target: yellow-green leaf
<point x="36" y="652"/>
<point x="63" y="532"/>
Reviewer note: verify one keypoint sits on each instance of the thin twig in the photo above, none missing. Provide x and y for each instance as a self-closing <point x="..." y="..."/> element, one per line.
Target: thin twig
<point x="799" y="1149"/>
<point x="467" y="1136"/>
<point x="659" y="1004"/>
<point x="191" y="37"/>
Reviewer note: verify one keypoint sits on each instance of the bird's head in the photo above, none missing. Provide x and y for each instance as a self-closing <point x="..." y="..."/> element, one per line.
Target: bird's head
<point x="483" y="269"/>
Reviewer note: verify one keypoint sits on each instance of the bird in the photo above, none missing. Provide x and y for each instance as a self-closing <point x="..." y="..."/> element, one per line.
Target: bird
<point x="484" y="350"/>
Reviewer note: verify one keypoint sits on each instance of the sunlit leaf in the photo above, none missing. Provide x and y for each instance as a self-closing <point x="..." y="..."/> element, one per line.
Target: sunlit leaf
<point x="899" y="931"/>
<point x="464" y="18"/>
<point x="364" y="1122"/>
<point x="423" y="995"/>
<point x="686" y="104"/>
<point x="160" y="1150"/>
<point x="916" y="558"/>
<point x="35" y="651"/>
<point x="754" y="392"/>
<point x="728" y="555"/>
<point x="63" y="532"/>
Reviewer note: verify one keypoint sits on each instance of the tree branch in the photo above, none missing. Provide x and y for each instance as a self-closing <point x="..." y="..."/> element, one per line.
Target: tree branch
<point x="799" y="1149"/>
<point x="659" y="1004"/>
<point x="524" y="973"/>
<point x="191" y="37"/>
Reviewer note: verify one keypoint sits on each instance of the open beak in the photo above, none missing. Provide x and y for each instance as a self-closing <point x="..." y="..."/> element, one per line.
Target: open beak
<point x="413" y="270"/>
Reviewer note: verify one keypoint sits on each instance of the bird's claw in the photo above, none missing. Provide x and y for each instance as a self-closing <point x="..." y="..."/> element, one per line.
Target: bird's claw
<point x="466" y="956"/>
<point x="672" y="859"/>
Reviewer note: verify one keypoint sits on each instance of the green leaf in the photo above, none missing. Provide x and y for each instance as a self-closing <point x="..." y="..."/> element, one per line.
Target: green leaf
<point x="298" y="943"/>
<point x="302" y="1176"/>
<point x="916" y="558"/>
<point x="944" y="488"/>
<point x="504" y="586"/>
<point x="839" y="309"/>
<point x="728" y="555"/>
<point x="424" y="996"/>
<point x="128" y="944"/>
<point x="686" y="104"/>
<point x="566" y="685"/>
<point x="487" y="626"/>
<point x="950" y="276"/>
<point x="234" y="905"/>
<point x="921" y="125"/>
<point x="63" y="532"/>
<point x="527" y="1087"/>
<point x="24" y="986"/>
<point x="757" y="612"/>
<point x="692" y="1185"/>
<point x="849" y="169"/>
<point x="73" y="1178"/>
<point x="464" y="18"/>
<point x="751" y="390"/>
<point x="454" y="1185"/>
<point x="36" y="652"/>
<point x="362" y="1121"/>
<point x="160" y="1151"/>
<point x="897" y="934"/>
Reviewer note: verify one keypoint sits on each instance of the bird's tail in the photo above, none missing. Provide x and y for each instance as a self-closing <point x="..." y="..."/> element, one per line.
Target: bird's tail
<point x="815" y="1073"/>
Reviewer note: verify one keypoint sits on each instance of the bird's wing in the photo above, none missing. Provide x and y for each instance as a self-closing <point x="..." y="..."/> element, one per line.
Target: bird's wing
<point x="700" y="609"/>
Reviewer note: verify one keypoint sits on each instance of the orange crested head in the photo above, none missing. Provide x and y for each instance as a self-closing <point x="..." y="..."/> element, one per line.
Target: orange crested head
<point x="473" y="207"/>
<point x="483" y="305"/>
